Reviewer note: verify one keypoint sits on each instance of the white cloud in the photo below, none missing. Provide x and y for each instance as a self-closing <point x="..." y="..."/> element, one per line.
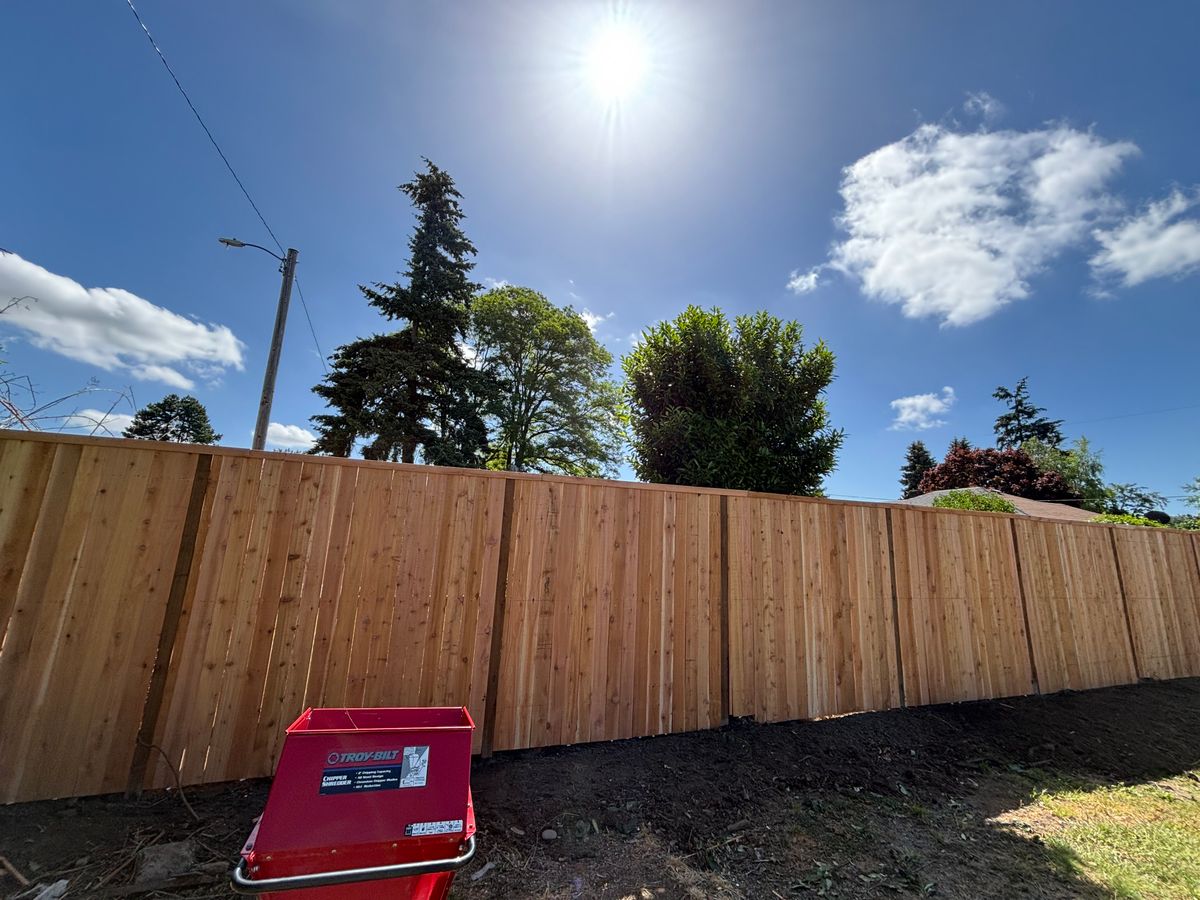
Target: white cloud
<point x="494" y="283"/>
<point x="920" y="411"/>
<point x="593" y="319"/>
<point x="803" y="282"/>
<point x="953" y="225"/>
<point x="112" y="328"/>
<point x="981" y="103"/>
<point x="290" y="437"/>
<point x="1154" y="243"/>
<point x="97" y="421"/>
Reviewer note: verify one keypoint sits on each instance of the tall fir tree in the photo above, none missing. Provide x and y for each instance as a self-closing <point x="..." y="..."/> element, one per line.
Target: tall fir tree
<point x="917" y="461"/>
<point x="413" y="390"/>
<point x="1022" y="421"/>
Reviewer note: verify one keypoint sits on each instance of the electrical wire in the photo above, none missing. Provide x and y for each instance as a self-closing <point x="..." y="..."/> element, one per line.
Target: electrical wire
<point x="228" y="165"/>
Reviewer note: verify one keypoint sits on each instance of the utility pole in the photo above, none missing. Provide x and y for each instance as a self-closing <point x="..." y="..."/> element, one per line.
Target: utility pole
<point x="268" y="390"/>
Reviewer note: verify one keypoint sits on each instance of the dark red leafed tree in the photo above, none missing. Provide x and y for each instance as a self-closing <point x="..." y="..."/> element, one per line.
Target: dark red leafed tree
<point x="1010" y="471"/>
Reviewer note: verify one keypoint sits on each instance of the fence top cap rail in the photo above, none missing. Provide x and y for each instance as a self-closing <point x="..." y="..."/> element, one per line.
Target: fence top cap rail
<point x="213" y="450"/>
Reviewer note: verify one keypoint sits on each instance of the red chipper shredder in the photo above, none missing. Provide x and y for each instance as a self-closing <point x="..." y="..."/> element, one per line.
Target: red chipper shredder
<point x="366" y="803"/>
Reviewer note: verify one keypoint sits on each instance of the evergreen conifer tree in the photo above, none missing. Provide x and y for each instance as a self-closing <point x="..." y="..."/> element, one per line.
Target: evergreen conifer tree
<point x="917" y="461"/>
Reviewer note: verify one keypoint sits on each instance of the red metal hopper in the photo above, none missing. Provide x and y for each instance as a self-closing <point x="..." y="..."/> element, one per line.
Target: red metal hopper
<point x="365" y="795"/>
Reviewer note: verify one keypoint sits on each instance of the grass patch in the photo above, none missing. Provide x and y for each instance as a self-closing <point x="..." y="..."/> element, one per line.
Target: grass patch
<point x="1137" y="841"/>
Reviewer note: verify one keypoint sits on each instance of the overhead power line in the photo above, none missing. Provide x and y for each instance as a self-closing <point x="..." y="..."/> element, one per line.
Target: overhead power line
<point x="228" y="165"/>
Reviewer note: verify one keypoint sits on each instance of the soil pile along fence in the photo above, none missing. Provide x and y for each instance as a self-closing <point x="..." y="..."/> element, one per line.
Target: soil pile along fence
<point x="197" y="599"/>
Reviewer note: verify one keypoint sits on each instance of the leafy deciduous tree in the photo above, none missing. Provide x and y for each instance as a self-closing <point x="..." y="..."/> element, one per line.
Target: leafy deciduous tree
<point x="1080" y="467"/>
<point x="1133" y="499"/>
<point x="1191" y="492"/>
<point x="1022" y="421"/>
<point x="173" y="418"/>
<point x="917" y="461"/>
<point x="735" y="407"/>
<point x="553" y="410"/>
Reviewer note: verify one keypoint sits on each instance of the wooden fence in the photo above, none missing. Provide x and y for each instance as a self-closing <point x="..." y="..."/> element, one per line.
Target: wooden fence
<point x="197" y="599"/>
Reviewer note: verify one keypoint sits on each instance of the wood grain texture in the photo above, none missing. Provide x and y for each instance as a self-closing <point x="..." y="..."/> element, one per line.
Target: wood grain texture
<point x="962" y="631"/>
<point x="328" y="586"/>
<point x="88" y="585"/>
<point x="612" y="628"/>
<point x="811" y="627"/>
<point x="1076" y="612"/>
<point x="1162" y="593"/>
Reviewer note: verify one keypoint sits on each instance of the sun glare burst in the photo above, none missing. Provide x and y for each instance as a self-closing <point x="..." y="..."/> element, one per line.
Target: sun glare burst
<point x="616" y="62"/>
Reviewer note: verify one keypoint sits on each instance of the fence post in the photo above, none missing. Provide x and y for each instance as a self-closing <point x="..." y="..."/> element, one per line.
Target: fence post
<point x="170" y="626"/>
<point x="1033" y="673"/>
<point x="1112" y="536"/>
<point x="895" y="608"/>
<point x="725" y="623"/>
<point x="498" y="609"/>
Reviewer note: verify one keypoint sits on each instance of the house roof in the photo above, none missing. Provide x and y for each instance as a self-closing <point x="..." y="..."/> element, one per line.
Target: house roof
<point x="1035" y="509"/>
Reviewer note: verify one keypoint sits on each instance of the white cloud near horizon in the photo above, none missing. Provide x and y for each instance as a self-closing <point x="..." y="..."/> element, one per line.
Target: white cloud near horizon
<point x="97" y="421"/>
<point x="1155" y="242"/>
<point x="112" y="328"/>
<point x="920" y="412"/>
<point x="290" y="437"/>
<point x="953" y="225"/>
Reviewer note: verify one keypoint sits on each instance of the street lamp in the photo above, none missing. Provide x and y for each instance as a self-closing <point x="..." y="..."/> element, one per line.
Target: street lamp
<point x="288" y="268"/>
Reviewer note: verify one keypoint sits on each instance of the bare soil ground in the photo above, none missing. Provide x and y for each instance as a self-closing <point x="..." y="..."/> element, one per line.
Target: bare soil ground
<point x="933" y="801"/>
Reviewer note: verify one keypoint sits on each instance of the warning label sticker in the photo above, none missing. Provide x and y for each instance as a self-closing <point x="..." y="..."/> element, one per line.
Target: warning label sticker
<point x="421" y="829"/>
<point x="416" y="767"/>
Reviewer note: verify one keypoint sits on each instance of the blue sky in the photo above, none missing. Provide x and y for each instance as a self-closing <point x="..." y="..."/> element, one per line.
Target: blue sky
<point x="957" y="194"/>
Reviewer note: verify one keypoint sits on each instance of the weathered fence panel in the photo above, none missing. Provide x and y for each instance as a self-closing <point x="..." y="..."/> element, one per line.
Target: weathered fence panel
<point x="1160" y="571"/>
<point x="1078" y="630"/>
<point x="196" y="599"/>
<point x="612" y="620"/>
<point x="810" y="609"/>
<point x="320" y="583"/>
<point x="962" y="628"/>
<point x="88" y="535"/>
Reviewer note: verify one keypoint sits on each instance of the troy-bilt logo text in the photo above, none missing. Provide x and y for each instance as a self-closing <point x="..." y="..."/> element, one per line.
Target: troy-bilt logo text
<point x="336" y="759"/>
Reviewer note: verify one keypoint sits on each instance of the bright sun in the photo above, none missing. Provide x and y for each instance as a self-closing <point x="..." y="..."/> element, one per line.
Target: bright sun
<point x="616" y="62"/>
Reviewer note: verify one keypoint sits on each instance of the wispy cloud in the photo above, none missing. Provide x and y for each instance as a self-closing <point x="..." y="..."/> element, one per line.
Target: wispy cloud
<point x="594" y="319"/>
<point x="984" y="105"/>
<point x="97" y="421"/>
<point x="953" y="225"/>
<point x="921" y="411"/>
<point x="290" y="437"/>
<point x="804" y="282"/>
<point x="1156" y="242"/>
<point x="493" y="283"/>
<point x="112" y="328"/>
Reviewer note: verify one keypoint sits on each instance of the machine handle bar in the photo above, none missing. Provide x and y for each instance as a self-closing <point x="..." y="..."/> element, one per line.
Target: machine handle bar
<point x="243" y="884"/>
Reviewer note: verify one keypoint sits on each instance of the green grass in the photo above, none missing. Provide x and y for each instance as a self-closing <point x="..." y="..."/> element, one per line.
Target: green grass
<point x="1137" y="841"/>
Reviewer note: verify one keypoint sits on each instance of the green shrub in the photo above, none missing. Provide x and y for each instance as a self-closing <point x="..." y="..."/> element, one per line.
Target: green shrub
<point x="1122" y="519"/>
<point x="1186" y="523"/>
<point x="973" y="500"/>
